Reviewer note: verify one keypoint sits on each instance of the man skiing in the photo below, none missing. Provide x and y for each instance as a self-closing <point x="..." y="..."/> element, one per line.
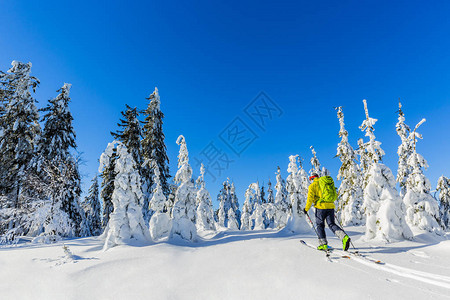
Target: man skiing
<point x="322" y="193"/>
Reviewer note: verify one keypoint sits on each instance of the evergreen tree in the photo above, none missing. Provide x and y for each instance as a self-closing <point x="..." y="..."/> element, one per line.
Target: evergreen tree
<point x="404" y="150"/>
<point x="383" y="206"/>
<point x="227" y="199"/>
<point x="184" y="209"/>
<point x="205" y="214"/>
<point x="233" y="224"/>
<point x="350" y="191"/>
<point x="108" y="175"/>
<point x="57" y="140"/>
<point x="130" y="134"/>
<point x="92" y="209"/>
<point x="19" y="123"/>
<point x="126" y="221"/>
<point x="247" y="210"/>
<point x="364" y="161"/>
<point x="297" y="220"/>
<point x="160" y="222"/>
<point x="315" y="163"/>
<point x="258" y="211"/>
<point x="422" y="210"/>
<point x="270" y="198"/>
<point x="281" y="202"/>
<point x="153" y="146"/>
<point x="270" y="208"/>
<point x="443" y="187"/>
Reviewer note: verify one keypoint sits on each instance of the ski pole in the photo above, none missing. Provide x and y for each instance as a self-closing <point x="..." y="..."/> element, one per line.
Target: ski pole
<point x="312" y="225"/>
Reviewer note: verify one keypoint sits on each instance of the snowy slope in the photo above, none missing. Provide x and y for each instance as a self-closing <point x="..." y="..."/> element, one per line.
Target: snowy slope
<point x="230" y="265"/>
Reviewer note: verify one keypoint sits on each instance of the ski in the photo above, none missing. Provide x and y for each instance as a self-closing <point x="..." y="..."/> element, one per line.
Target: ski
<point x="357" y="254"/>
<point x="327" y="252"/>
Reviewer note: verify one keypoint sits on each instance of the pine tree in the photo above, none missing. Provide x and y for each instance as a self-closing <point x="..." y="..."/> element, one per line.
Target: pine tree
<point x="350" y="190"/>
<point x="227" y="199"/>
<point x="108" y="175"/>
<point x="270" y="208"/>
<point x="126" y="221"/>
<point x="160" y="222"/>
<point x="57" y="140"/>
<point x="297" y="221"/>
<point x="404" y="150"/>
<point x="19" y="123"/>
<point x="443" y="187"/>
<point x="315" y="163"/>
<point x="130" y="134"/>
<point x="233" y="224"/>
<point x="92" y="209"/>
<point x="153" y="146"/>
<point x="364" y="160"/>
<point x="184" y="210"/>
<point x="422" y="210"/>
<point x="205" y="214"/>
<point x="383" y="206"/>
<point x="258" y="211"/>
<point x="281" y="202"/>
<point x="247" y="210"/>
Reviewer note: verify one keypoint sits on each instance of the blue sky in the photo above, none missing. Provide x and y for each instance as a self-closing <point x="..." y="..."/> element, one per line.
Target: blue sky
<point x="210" y="59"/>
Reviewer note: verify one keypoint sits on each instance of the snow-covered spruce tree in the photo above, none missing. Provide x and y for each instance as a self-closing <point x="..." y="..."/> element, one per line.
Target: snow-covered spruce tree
<point x="55" y="145"/>
<point x="350" y="190"/>
<point x="297" y="220"/>
<point x="404" y="150"/>
<point x="247" y="209"/>
<point x="269" y="207"/>
<point x="282" y="206"/>
<point x="153" y="146"/>
<point x="92" y="209"/>
<point x="184" y="209"/>
<point x="233" y="223"/>
<point x="443" y="187"/>
<point x="129" y="134"/>
<point x="126" y="222"/>
<point x="422" y="210"/>
<point x="205" y="213"/>
<point x="383" y="206"/>
<point x="315" y="163"/>
<point x="364" y="161"/>
<point x="227" y="199"/>
<point x="108" y="175"/>
<point x="19" y="123"/>
<point x="160" y="222"/>
<point x="258" y="210"/>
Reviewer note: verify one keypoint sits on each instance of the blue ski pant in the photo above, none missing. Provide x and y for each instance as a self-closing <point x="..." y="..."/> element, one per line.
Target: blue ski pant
<point x="323" y="215"/>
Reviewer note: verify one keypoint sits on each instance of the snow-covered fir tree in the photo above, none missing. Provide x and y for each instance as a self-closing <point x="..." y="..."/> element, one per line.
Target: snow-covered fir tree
<point x="19" y="124"/>
<point x="315" y="164"/>
<point x="383" y="206"/>
<point x="443" y="187"/>
<point x="247" y="209"/>
<point x="184" y="209"/>
<point x="404" y="151"/>
<point x="227" y="199"/>
<point x="422" y="210"/>
<point x="55" y="145"/>
<point x="92" y="209"/>
<point x="129" y="133"/>
<point x="281" y="202"/>
<point x="205" y="213"/>
<point x="160" y="222"/>
<point x="153" y="145"/>
<point x="269" y="207"/>
<point x="108" y="175"/>
<point x="350" y="191"/>
<point x="126" y="222"/>
<point x="258" y="210"/>
<point x="297" y="220"/>
<point x="233" y="223"/>
<point x="364" y="161"/>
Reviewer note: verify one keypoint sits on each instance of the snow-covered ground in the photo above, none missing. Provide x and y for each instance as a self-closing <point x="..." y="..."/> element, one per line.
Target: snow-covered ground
<point x="230" y="265"/>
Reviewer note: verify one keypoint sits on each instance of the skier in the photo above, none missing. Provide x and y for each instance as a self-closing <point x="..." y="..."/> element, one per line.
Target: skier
<point x="322" y="193"/>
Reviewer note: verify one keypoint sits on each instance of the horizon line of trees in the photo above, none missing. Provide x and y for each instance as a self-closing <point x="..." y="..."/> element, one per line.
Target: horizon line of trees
<point x="40" y="183"/>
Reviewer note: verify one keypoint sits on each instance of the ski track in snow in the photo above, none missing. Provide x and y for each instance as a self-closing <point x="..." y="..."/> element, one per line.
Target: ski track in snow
<point x="434" y="279"/>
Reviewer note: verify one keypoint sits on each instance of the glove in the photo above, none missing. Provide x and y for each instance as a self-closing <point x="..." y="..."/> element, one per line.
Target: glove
<point x="305" y="211"/>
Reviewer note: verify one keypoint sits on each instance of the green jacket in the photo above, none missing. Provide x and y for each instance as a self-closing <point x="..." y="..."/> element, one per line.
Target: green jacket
<point x="315" y="193"/>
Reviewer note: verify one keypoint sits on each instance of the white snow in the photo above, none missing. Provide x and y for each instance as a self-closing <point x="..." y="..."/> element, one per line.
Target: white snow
<point x="254" y="264"/>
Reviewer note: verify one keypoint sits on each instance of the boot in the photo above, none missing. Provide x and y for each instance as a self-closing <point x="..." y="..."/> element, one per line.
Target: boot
<point x="346" y="242"/>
